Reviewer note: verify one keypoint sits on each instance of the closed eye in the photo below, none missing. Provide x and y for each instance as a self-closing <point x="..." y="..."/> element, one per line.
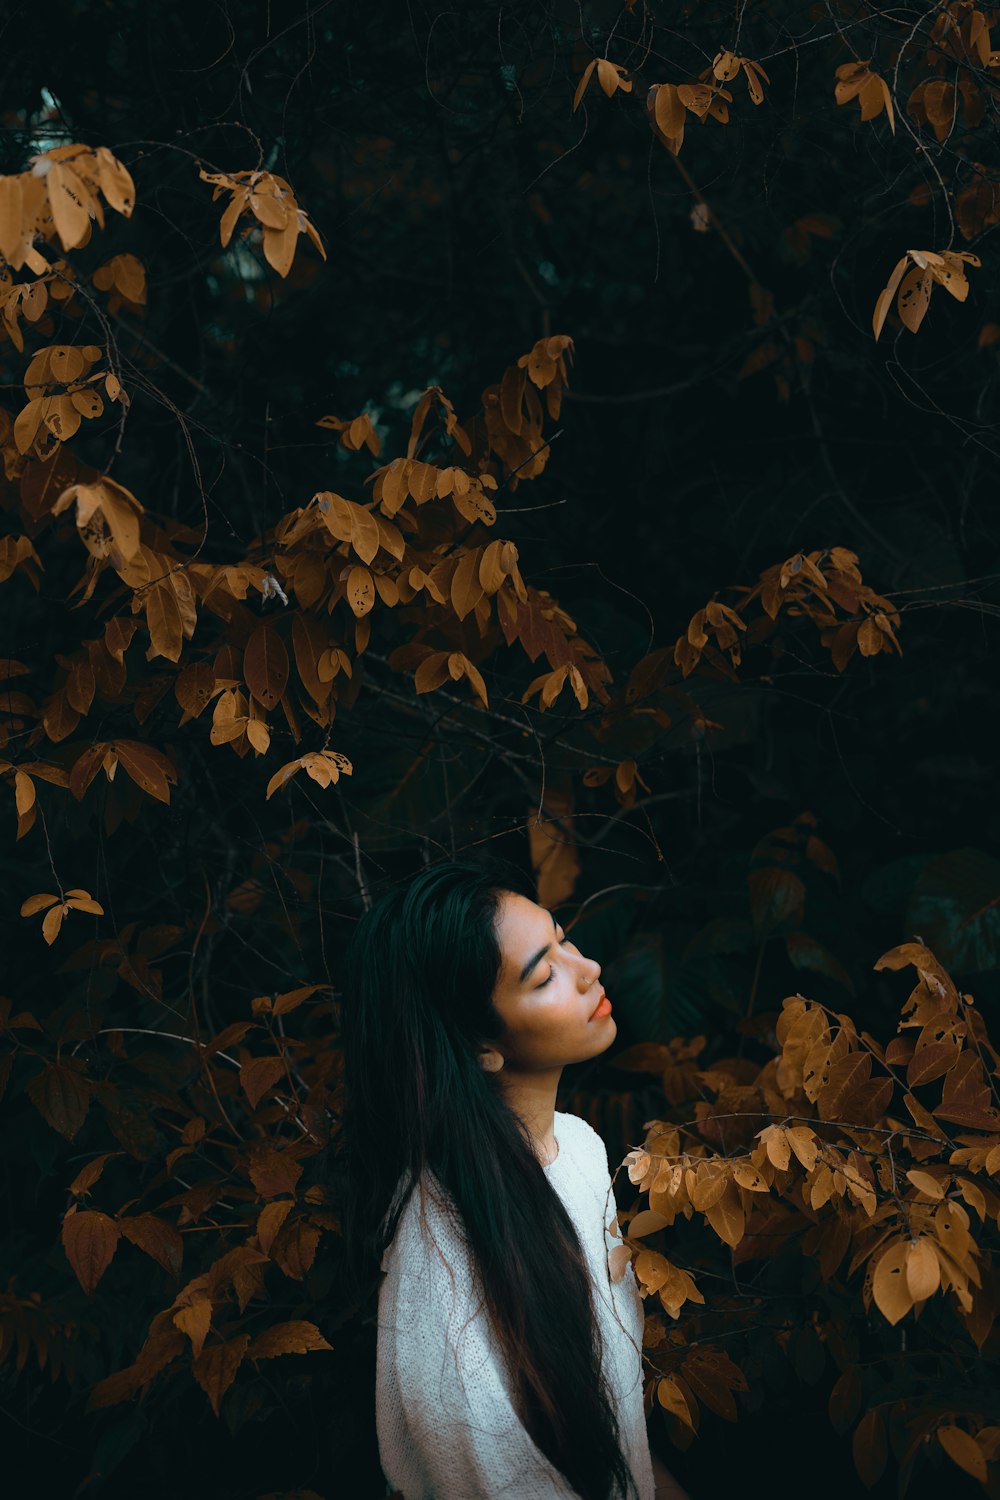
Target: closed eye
<point x="564" y="942"/>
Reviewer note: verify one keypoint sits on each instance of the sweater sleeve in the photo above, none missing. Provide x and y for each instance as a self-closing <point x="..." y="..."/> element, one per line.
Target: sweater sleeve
<point x="454" y="1434"/>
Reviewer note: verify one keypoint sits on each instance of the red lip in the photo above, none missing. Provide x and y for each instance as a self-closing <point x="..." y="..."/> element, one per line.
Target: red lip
<point x="597" y="1007"/>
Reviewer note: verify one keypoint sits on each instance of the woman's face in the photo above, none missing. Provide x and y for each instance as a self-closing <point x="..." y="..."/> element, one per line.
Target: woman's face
<point x="547" y="992"/>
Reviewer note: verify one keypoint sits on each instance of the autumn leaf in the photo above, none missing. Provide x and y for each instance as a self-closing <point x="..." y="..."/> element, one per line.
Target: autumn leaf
<point x="963" y="1450"/>
<point x="295" y="1337"/>
<point x="148" y="767"/>
<point x="273" y="1172"/>
<point x="870" y="1447"/>
<point x="890" y="1286"/>
<point x="156" y="1238"/>
<point x="324" y="767"/>
<point x="858" y="81"/>
<point x="265" y="665"/>
<point x="89" y="1239"/>
<point x="194" y="1318"/>
<point x="611" y="77"/>
<point x="258" y="1075"/>
<point x="90" y="1174"/>
<point x="61" y="1094"/>
<point x="56" y="910"/>
<point x="215" y="1367"/>
<point x="912" y="281"/>
<point x="269" y="201"/>
<point x="270" y="1220"/>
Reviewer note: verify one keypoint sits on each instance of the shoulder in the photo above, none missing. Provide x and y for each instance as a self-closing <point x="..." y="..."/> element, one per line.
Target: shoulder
<point x="583" y="1139"/>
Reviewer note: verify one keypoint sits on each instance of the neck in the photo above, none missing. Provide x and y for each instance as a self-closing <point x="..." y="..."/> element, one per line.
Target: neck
<point x="532" y="1096"/>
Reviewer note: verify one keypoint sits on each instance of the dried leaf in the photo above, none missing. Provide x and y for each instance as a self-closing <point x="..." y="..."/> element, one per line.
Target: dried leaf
<point x="295" y="1337"/>
<point x="89" y="1239"/>
<point x="215" y="1368"/>
<point x="258" y="1075"/>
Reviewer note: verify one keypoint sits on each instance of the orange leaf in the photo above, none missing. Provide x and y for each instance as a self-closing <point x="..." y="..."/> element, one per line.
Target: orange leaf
<point x="163" y="617"/>
<point x="360" y="591"/>
<point x="923" y="1270"/>
<point x="52" y="923"/>
<point x="70" y="201"/>
<point x="914" y="297"/>
<point x="37" y="903"/>
<point x="671" y="1397"/>
<point x="727" y="1217"/>
<point x="890" y="1288"/>
<point x="582" y="85"/>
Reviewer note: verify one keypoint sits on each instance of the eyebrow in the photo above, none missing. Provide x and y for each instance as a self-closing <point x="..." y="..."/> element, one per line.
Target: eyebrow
<point x="535" y="957"/>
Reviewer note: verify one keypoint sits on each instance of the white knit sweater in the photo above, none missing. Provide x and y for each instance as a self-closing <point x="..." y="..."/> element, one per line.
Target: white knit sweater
<point x="446" y="1424"/>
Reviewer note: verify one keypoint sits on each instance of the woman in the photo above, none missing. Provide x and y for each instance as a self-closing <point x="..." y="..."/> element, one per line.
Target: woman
<point x="507" y="1363"/>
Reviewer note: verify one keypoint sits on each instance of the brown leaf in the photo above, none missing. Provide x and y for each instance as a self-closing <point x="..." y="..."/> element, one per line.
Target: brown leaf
<point x="963" y="1450"/>
<point x="672" y="1399"/>
<point x="889" y="1283"/>
<point x="165" y="622"/>
<point x="360" y="591"/>
<point x="13" y="234"/>
<point x="776" y="896"/>
<point x="914" y="297"/>
<point x="582" y="85"/>
<point x="292" y="999"/>
<point x="61" y="1095"/>
<point x="294" y="1250"/>
<point x="923" y="1270"/>
<point x="157" y="1239"/>
<point x="88" y="1175"/>
<point x="870" y="1448"/>
<point x="70" y="201"/>
<point x="295" y="1337"/>
<point x="931" y="1062"/>
<point x="845" y="1398"/>
<point x="38" y="903"/>
<point x="727" y="1217"/>
<point x="89" y="1239"/>
<point x="265" y="665"/>
<point x="194" y="689"/>
<point x="258" y="1075"/>
<point x="195" y="1319"/>
<point x="466" y="589"/>
<point x="149" y="768"/>
<point x="270" y="1219"/>
<point x="272" y="1172"/>
<point x="215" y="1368"/>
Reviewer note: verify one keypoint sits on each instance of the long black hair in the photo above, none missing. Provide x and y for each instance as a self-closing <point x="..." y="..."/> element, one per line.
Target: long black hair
<point x="420" y="973"/>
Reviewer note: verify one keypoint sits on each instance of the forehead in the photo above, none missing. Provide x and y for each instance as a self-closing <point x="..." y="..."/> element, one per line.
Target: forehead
<point x="523" y="927"/>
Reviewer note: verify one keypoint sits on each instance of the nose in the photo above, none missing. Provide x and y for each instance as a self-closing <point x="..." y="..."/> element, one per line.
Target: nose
<point x="590" y="974"/>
